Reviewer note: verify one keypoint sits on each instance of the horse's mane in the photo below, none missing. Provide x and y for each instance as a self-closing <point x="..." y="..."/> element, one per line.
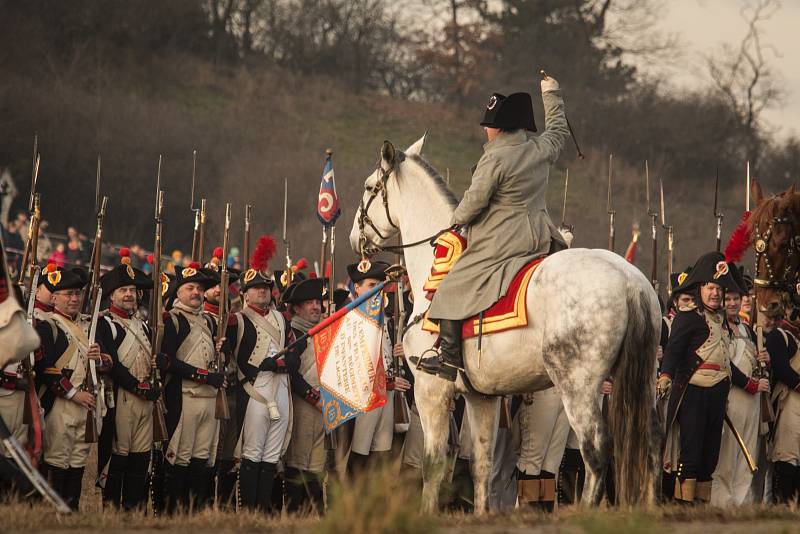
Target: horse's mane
<point x="437" y="179"/>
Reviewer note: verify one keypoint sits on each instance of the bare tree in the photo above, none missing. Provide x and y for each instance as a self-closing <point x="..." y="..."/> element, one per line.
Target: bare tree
<point x="744" y="78"/>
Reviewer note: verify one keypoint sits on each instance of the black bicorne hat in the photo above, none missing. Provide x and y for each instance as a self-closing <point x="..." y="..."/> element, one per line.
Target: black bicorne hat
<point x="58" y="278"/>
<point x="123" y="275"/>
<point x="376" y="271"/>
<point x="309" y="289"/>
<point x="191" y="273"/>
<point x="340" y="298"/>
<point x="255" y="278"/>
<point x="511" y="112"/>
<point x="711" y="268"/>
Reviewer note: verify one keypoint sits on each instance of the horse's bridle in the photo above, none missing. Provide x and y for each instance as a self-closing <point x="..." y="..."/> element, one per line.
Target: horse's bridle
<point x="364" y="220"/>
<point x="788" y="280"/>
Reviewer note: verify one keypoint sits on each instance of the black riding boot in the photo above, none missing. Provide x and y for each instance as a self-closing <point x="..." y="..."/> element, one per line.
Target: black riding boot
<point x="177" y="488"/>
<point x="57" y="478"/>
<point x="73" y="485"/>
<point x="112" y="493"/>
<point x="784" y="482"/>
<point x="200" y="479"/>
<point x="249" y="473"/>
<point x="134" y="487"/>
<point x="265" y="482"/>
<point x="450" y="358"/>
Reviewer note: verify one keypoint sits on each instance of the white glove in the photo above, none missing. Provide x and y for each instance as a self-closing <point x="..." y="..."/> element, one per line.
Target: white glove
<point x="549" y="84"/>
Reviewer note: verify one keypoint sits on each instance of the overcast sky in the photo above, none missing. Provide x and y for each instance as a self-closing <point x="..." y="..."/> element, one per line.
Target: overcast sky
<point x="702" y="26"/>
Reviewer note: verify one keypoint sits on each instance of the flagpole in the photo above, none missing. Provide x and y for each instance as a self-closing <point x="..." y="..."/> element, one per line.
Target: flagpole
<point x="332" y="277"/>
<point x="335" y="316"/>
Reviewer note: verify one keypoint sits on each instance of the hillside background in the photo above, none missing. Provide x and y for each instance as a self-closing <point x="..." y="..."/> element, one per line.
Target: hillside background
<point x="260" y="88"/>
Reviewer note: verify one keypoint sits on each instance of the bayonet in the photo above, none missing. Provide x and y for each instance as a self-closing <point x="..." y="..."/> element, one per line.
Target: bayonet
<point x="747" y="190"/>
<point x="288" y="273"/>
<point x="246" y="255"/>
<point x="719" y="216"/>
<point x="670" y="237"/>
<point x="653" y="225"/>
<point x="35" y="163"/>
<point x="97" y="185"/>
<point x="201" y="234"/>
<point x="611" y="213"/>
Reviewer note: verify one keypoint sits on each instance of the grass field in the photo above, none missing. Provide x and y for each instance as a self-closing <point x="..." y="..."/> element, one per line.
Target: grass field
<point x="384" y="502"/>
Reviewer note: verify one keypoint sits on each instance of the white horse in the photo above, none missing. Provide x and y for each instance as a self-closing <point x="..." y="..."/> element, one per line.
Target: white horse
<point x="590" y="315"/>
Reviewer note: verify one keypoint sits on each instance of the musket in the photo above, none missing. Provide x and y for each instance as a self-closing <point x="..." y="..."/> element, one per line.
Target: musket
<point x="401" y="416"/>
<point x="222" y="408"/>
<point x="88" y="297"/>
<point x="767" y="413"/>
<point x="94" y="418"/>
<point x="653" y="216"/>
<point x="571" y="132"/>
<point x="719" y="216"/>
<point x="611" y="213"/>
<point x="156" y="319"/>
<point x="286" y="278"/>
<point x="29" y="260"/>
<point x="246" y="247"/>
<point x="201" y="234"/>
<point x="93" y="295"/>
<point x="670" y="237"/>
<point x="32" y="409"/>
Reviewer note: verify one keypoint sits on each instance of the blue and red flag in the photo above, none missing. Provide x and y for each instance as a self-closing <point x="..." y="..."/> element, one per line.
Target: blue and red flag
<point x="328" y="209"/>
<point x="349" y="351"/>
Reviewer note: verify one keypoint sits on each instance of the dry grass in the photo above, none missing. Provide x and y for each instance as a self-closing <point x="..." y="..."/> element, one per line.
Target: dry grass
<point x="386" y="503"/>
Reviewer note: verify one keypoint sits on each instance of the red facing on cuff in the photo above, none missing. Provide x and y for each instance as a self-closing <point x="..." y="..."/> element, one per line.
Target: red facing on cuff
<point x="752" y="386"/>
<point x="312" y="396"/>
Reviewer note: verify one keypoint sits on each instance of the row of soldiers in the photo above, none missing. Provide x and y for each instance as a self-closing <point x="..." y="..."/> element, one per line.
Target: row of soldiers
<point x="272" y="450"/>
<point x="274" y="430"/>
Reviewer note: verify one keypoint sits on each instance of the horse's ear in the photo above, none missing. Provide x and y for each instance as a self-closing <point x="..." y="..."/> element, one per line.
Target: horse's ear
<point x="756" y="193"/>
<point x="416" y="148"/>
<point x="388" y="152"/>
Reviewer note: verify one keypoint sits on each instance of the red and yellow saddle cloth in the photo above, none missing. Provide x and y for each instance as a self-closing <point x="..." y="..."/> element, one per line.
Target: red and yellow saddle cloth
<point x="507" y="313"/>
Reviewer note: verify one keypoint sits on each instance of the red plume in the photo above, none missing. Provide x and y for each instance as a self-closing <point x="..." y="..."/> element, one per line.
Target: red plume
<point x="194" y="265"/>
<point x="150" y="259"/>
<point x="51" y="267"/>
<point x="301" y="264"/>
<point x="312" y="275"/>
<point x="265" y="249"/>
<point x="124" y="252"/>
<point x="739" y="241"/>
<point x="218" y="253"/>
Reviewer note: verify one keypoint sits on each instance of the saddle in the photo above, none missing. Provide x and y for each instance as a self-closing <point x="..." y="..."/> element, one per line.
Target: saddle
<point x="507" y="313"/>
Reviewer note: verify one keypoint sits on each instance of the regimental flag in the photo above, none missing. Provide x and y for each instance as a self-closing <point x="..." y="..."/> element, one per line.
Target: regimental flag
<point x="328" y="209"/>
<point x="349" y="350"/>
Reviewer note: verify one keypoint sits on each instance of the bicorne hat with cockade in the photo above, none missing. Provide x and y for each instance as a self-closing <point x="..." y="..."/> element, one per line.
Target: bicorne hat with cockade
<point x="376" y="271"/>
<point x="512" y="112"/>
<point x="711" y="268"/>
<point x="283" y="279"/>
<point x="258" y="274"/>
<point x="123" y="275"/>
<point x="192" y="273"/>
<point x="56" y="278"/>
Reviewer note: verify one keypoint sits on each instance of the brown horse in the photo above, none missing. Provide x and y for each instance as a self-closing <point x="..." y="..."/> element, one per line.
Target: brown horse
<point x="774" y="229"/>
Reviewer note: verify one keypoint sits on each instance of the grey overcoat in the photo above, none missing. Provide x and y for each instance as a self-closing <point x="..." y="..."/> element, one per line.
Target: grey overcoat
<point x="507" y="218"/>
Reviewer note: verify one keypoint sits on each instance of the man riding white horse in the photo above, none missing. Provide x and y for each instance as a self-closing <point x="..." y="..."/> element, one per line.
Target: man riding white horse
<point x="506" y="213"/>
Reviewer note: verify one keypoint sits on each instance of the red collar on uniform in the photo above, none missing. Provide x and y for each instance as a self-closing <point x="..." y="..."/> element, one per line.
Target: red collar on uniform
<point x="119" y="312"/>
<point x="210" y="308"/>
<point x="39" y="305"/>
<point x="258" y="310"/>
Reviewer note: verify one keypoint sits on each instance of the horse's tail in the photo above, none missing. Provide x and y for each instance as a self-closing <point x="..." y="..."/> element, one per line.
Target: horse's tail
<point x="631" y="403"/>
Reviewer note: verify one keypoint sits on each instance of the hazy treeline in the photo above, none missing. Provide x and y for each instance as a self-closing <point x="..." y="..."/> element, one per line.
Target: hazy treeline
<point x="261" y="87"/>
